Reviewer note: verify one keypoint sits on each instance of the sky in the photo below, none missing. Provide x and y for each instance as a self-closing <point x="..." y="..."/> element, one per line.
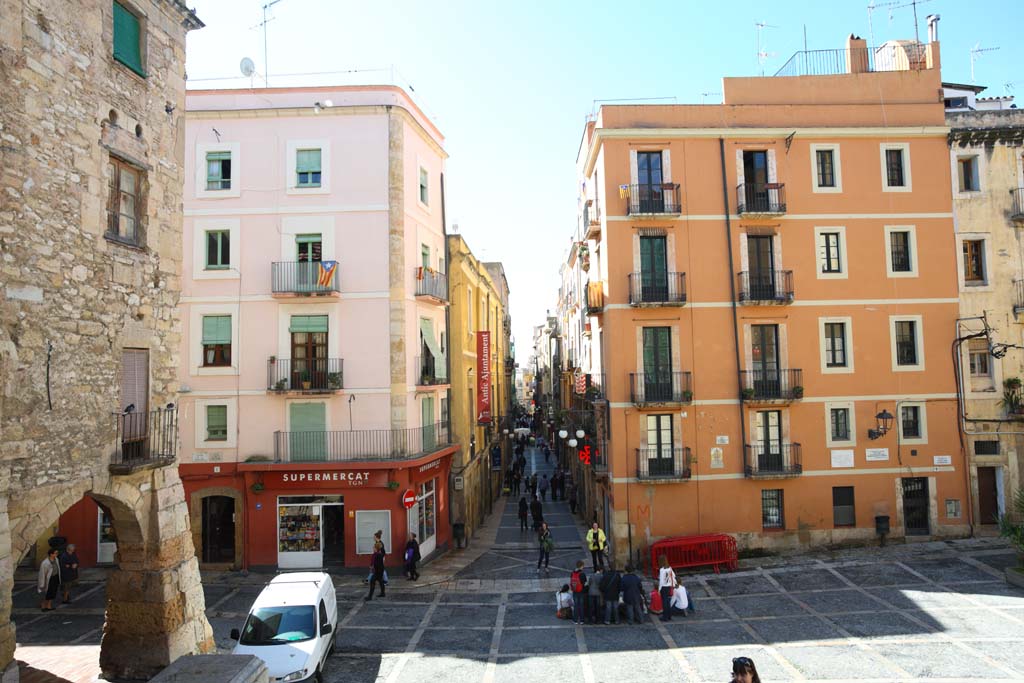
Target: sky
<point x="510" y="84"/>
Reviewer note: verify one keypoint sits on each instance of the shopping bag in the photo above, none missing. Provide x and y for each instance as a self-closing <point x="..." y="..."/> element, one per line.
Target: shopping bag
<point x="655" y="607"/>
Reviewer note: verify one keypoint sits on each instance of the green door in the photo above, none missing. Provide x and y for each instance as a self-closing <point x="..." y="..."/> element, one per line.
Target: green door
<point x="653" y="270"/>
<point x="307" y="441"/>
<point x="429" y="424"/>
<point x="657" y="364"/>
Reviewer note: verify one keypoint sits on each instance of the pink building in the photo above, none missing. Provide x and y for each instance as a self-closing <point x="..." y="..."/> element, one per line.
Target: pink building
<point x="314" y="395"/>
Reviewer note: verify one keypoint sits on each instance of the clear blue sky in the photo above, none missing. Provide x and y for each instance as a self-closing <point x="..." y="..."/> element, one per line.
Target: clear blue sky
<point x="510" y="84"/>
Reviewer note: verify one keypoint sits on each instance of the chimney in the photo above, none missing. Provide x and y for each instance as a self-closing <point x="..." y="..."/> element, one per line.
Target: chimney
<point x="933" y="27"/>
<point x="856" y="55"/>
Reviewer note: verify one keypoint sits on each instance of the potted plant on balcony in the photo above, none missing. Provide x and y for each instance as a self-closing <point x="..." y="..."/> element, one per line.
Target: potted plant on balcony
<point x="257" y="487"/>
<point x="334" y="380"/>
<point x="584" y="254"/>
<point x="281" y="385"/>
<point x="687" y="396"/>
<point x="1012" y="399"/>
<point x="393" y="485"/>
<point x="798" y="391"/>
<point x="748" y="393"/>
<point x="307" y="380"/>
<point x="688" y="465"/>
<point x="273" y="359"/>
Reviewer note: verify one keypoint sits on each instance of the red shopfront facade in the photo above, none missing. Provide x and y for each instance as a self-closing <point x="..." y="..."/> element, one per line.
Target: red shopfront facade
<point x="313" y="515"/>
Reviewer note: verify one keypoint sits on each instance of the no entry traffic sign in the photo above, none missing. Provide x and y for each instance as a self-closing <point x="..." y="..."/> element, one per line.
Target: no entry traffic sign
<point x="409" y="499"/>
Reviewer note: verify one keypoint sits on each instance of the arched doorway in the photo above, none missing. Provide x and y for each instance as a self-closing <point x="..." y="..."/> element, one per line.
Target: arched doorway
<point x="217" y="516"/>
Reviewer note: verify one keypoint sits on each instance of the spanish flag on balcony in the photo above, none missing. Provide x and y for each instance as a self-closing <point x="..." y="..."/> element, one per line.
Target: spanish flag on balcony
<point x="623" y="191"/>
<point x="327" y="270"/>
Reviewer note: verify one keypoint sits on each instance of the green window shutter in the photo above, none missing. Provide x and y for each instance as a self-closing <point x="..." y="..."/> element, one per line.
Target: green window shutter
<point x="308" y="323"/>
<point x="127" y="43"/>
<point x="307" y="161"/>
<point x="216" y="329"/>
<point x="307" y="239"/>
<point x="216" y="423"/>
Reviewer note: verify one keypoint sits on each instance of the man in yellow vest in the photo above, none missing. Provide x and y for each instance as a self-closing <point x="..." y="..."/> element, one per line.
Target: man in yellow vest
<point x="597" y="542"/>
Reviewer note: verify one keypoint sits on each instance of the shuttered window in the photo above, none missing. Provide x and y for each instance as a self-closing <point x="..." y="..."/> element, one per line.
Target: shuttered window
<point x="308" y="323"/>
<point x="216" y="423"/>
<point x="128" y="39"/>
<point x="307" y="167"/>
<point x="216" y="340"/>
<point x="135" y="380"/>
<point x="218" y="170"/>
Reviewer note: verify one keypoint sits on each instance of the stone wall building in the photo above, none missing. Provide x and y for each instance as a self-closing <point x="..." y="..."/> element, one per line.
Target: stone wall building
<point x="91" y="159"/>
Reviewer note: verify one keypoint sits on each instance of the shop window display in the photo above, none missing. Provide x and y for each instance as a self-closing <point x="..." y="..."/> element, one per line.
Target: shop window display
<point x="299" y="528"/>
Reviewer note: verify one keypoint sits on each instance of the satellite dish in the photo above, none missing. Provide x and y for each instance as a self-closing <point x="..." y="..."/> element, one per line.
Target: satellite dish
<point x="247" y="67"/>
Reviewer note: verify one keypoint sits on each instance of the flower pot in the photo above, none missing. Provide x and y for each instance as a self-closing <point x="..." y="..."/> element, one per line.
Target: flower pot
<point x="306" y="385"/>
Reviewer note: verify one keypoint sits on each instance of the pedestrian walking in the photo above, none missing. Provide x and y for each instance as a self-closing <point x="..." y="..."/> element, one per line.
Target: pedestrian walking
<point x="666" y="586"/>
<point x="49" y="579"/>
<point x="538" y="513"/>
<point x="376" y="571"/>
<point x="572" y="499"/>
<point x="578" y="583"/>
<point x="611" y="588"/>
<point x="596" y="544"/>
<point x="68" y="571"/>
<point x="547" y="453"/>
<point x="533" y="484"/>
<point x="544" y="486"/>
<point x="517" y="482"/>
<point x="412" y="556"/>
<point x="744" y="671"/>
<point x="633" y="595"/>
<point x="523" y="510"/>
<point x="556" y="479"/>
<point x="547" y="544"/>
<point x="594" y="597"/>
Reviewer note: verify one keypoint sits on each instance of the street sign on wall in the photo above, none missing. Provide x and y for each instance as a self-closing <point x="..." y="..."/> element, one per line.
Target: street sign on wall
<point x="483" y="377"/>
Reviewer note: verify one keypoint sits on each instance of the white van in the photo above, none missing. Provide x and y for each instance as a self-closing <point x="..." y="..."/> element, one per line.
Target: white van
<point x="291" y="626"/>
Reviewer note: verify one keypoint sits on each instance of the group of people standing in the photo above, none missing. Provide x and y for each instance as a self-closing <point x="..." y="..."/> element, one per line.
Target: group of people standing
<point x="58" y="573"/>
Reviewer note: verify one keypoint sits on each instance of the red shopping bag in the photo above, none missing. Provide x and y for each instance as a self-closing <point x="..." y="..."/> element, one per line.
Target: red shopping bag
<point x="655" y="607"/>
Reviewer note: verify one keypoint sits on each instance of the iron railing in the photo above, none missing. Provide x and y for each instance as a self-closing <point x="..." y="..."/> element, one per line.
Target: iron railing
<point x="591" y="215"/>
<point x="772" y="384"/>
<point x="772" y="460"/>
<point x="145" y="439"/>
<point x="1017" y="212"/>
<point x="360" y="445"/>
<point x="660" y="387"/>
<point x="653" y="462"/>
<point x="855" y="60"/>
<point x="657" y="288"/>
<point x="761" y="198"/>
<point x="592" y="385"/>
<point x="315" y="375"/>
<point x="650" y="199"/>
<point x="431" y="283"/>
<point x="304" y="277"/>
<point x="773" y="286"/>
<point x="432" y="371"/>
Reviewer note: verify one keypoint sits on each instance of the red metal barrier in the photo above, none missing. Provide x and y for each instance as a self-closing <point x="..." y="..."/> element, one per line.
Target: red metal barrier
<point x="717" y="550"/>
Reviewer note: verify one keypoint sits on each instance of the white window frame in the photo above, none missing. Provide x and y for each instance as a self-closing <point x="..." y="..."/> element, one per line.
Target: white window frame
<point x="419" y="196"/>
<point x="905" y="148"/>
<point x="979" y="162"/>
<point x="195" y="338"/>
<point x="364" y="542"/>
<point x="201" y="443"/>
<point x="995" y="373"/>
<point x="200" y="226"/>
<point x="838" y="443"/>
<point x="823" y="356"/>
<point x="843" y="273"/>
<point x="836" y="168"/>
<point x="291" y="179"/>
<point x="204" y="148"/>
<point x="918" y="342"/>
<point x="912" y="229"/>
<point x="922" y="413"/>
<point x="986" y="254"/>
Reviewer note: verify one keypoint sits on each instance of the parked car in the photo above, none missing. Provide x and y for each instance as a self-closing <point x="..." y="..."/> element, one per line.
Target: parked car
<point x="291" y="626"/>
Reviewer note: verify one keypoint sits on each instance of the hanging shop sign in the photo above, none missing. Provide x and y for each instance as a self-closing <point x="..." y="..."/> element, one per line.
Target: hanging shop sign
<point x="483" y="377"/>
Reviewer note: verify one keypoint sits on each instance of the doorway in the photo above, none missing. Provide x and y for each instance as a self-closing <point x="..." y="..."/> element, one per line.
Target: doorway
<point x="334" y="535"/>
<point x="761" y="262"/>
<point x="988" y="495"/>
<point x="764" y="357"/>
<point x="755" y="179"/>
<point x="106" y="544"/>
<point x="657" y="364"/>
<point x="649" y="182"/>
<point x="218" y="529"/>
<point x="915" y="506"/>
<point x="653" y="269"/>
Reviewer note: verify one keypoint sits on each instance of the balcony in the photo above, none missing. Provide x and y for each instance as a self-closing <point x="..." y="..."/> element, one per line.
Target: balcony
<point x="432" y="371"/>
<point x="305" y="278"/>
<point x="591" y="220"/>
<point x="145" y="440"/>
<point x="361" y="445"/>
<point x="647" y="289"/>
<point x="595" y="297"/>
<point x="772" y="460"/>
<point x="760" y="199"/>
<point x="660" y="388"/>
<point x="431" y="285"/>
<point x="307" y="376"/>
<point x="1018" y="296"/>
<point x="765" y="287"/>
<point x="661" y="464"/>
<point x="851" y="60"/>
<point x="1017" y="212"/>
<point x="654" y="200"/>
<point x="772" y="386"/>
<point x="589" y="385"/>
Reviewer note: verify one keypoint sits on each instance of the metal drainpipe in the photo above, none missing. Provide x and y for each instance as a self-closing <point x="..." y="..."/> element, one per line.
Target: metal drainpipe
<point x="448" y="348"/>
<point x="732" y="291"/>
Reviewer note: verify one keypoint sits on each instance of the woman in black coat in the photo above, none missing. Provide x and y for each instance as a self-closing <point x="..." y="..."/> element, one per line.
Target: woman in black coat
<point x="523" y="509"/>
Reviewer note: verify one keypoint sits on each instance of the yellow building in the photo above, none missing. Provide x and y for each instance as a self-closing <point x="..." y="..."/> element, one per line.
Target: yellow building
<point x="479" y="301"/>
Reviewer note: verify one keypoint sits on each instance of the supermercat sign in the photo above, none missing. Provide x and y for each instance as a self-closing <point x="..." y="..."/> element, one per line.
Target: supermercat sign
<point x="332" y="478"/>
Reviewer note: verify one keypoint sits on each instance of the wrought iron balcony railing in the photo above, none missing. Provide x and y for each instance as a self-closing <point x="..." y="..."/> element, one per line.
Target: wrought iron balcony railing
<point x="432" y="284"/>
<point x="761" y="198"/>
<point x="766" y="286"/>
<point x="902" y="57"/>
<point x="305" y="277"/>
<point x="360" y="445"/>
<point x="657" y="288"/>
<point x="654" y="199"/>
<point x="1017" y="212"/>
<point x="432" y="371"/>
<point x="772" y="385"/>
<point x="312" y="375"/>
<point x="660" y="387"/>
<point x="655" y="462"/>
<point x="595" y="296"/>
<point x="145" y="439"/>
<point x="772" y="460"/>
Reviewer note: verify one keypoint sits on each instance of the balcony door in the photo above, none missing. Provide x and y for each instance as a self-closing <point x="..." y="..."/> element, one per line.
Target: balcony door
<point x="307" y="432"/>
<point x="657" y="364"/>
<point x="309" y="352"/>
<point x="768" y="440"/>
<point x="764" y="357"/>
<point x="309" y="250"/>
<point x="761" y="265"/>
<point x="755" y="179"/>
<point x="429" y="423"/>
<point x="653" y="269"/>
<point x="134" y="403"/>
<point x="649" y="182"/>
<point x="659" y="445"/>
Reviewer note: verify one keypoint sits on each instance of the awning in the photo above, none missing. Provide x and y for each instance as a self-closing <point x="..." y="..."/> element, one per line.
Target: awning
<point x="308" y="323"/>
<point x="427" y="332"/>
<point x="216" y="329"/>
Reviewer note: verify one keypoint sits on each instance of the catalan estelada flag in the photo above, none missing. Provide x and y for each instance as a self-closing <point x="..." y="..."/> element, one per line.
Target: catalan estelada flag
<point x="624" y="191"/>
<point x="327" y="270"/>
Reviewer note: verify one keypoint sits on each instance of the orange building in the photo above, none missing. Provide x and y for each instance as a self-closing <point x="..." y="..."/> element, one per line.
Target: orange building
<point x="772" y="292"/>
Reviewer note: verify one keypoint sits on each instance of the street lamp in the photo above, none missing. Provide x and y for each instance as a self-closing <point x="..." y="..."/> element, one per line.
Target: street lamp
<point x="580" y="433"/>
<point x="572" y="443"/>
<point x="562" y="433"/>
<point x="884" y="419"/>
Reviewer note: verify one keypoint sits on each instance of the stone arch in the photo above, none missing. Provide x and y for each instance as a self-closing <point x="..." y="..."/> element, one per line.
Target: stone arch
<point x="196" y="518"/>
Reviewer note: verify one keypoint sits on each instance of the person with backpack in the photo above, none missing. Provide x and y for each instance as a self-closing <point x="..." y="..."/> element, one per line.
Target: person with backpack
<point x="538" y="513"/>
<point x="611" y="587"/>
<point x="578" y="584"/>
<point x="523" y="510"/>
<point x="633" y="595"/>
<point x="547" y="544"/>
<point x="666" y="586"/>
<point x="596" y="544"/>
<point x="412" y="556"/>
<point x="563" y="603"/>
<point x="594" y="597"/>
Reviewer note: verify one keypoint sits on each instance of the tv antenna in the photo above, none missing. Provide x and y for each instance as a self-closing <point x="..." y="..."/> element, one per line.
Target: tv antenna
<point x="263" y="25"/>
<point x="975" y="52"/>
<point x="762" y="54"/>
<point x="895" y="5"/>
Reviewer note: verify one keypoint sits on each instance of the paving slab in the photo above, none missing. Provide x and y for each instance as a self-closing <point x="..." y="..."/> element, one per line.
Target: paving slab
<point x="794" y="629"/>
<point x="1000" y="561"/>
<point x="741" y="585"/>
<point x="879" y="574"/>
<point x="538" y="598"/>
<point x="534" y="641"/>
<point x="764" y="606"/>
<point x="937" y="660"/>
<point x="471" y="598"/>
<point x="995" y="594"/>
<point x="465" y="616"/>
<point x="716" y="664"/>
<point x="372" y="640"/>
<point x="687" y="633"/>
<point x="539" y="669"/>
<point x="945" y="571"/>
<point x="880" y="625"/>
<point x="58" y="629"/>
<point x="460" y="641"/>
<point x="622" y="638"/>
<point x="999" y="651"/>
<point x="379" y="613"/>
<point x="647" y="666"/>
<point x="807" y="579"/>
<point x="532" y="615"/>
<point x="844" y="600"/>
<point x="821" y="662"/>
<point x="921" y="597"/>
<point x="342" y="668"/>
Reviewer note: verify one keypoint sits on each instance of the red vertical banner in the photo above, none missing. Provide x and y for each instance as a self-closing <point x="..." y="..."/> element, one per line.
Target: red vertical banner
<point x="483" y="377"/>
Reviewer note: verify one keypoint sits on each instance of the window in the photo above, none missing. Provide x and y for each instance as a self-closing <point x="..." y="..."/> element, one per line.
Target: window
<point x="128" y="39"/>
<point x="829" y="252"/>
<point x="840" y="424"/>
<point x="967" y="173"/>
<point x="218" y="171"/>
<point x="835" y="345"/>
<point x="974" y="262"/>
<point x="826" y="172"/>
<point x="907" y="350"/>
<point x="425" y="256"/>
<point x="955" y="102"/>
<point x="910" y="422"/>
<point x="980" y="363"/>
<point x="986" y="447"/>
<point x="216" y="340"/>
<point x="218" y="249"/>
<point x="839" y="421"/>
<point x="124" y="202"/>
<point x="771" y="509"/>
<point x="307" y="168"/>
<point x="895" y="167"/>
<point x="424" y="186"/>
<point x="216" y="423"/>
<point x="900" y="251"/>
<point x="842" y="506"/>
